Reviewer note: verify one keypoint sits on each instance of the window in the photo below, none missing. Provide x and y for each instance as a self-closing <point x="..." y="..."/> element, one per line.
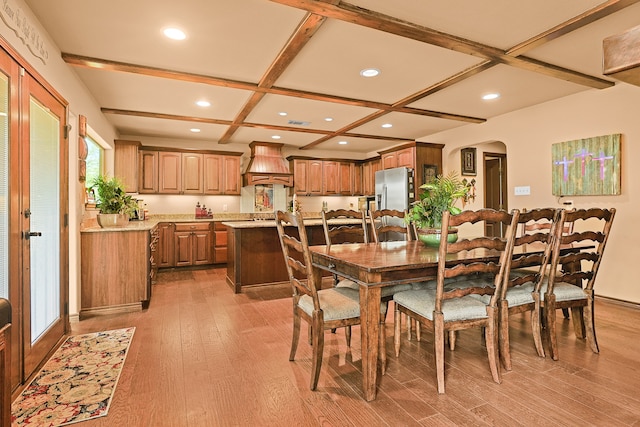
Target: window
<point x="95" y="160"/>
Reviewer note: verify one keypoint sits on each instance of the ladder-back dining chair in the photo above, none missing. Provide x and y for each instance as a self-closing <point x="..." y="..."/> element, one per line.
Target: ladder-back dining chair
<point x="323" y="309"/>
<point x="521" y="290"/>
<point x="344" y="233"/>
<point x="572" y="275"/>
<point x="457" y="304"/>
<point x="388" y="225"/>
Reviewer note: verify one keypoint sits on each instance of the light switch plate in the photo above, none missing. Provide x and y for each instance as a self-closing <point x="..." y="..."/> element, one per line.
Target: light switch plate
<point x="522" y="191"/>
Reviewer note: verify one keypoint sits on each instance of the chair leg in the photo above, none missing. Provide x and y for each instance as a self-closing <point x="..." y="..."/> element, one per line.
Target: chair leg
<point x="589" y="321"/>
<point x="452" y="340"/>
<point x="550" y="320"/>
<point x="503" y="335"/>
<point x="491" y="339"/>
<point x="310" y="334"/>
<point x="296" y="336"/>
<point x="536" y="326"/>
<point x="578" y="322"/>
<point x="318" y="348"/>
<point x="565" y="312"/>
<point x="418" y="331"/>
<point x="397" y="325"/>
<point x="347" y="334"/>
<point x="382" y="349"/>
<point x="439" y="349"/>
<point x="409" y="327"/>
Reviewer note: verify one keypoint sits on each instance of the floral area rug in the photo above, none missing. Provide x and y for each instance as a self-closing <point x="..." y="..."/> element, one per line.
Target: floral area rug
<point x="77" y="383"/>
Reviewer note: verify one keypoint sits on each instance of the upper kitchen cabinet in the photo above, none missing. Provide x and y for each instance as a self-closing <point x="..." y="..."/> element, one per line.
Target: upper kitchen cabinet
<point x="169" y="172"/>
<point x="147" y="171"/>
<point x="316" y="177"/>
<point x="307" y="176"/>
<point x="222" y="174"/>
<point x="192" y="173"/>
<point x="369" y="169"/>
<point x="188" y="172"/>
<point x="420" y="156"/>
<point x="126" y="164"/>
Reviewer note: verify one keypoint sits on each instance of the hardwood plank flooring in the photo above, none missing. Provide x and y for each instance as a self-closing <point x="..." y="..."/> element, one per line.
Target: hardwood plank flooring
<point x="203" y="356"/>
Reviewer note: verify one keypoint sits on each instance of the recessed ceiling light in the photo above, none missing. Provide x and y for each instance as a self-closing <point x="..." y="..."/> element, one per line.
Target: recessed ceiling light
<point x="194" y="130"/>
<point x="282" y="113"/>
<point x="490" y="96"/>
<point x="342" y="142"/>
<point x="369" y="72"/>
<point x="203" y="103"/>
<point x="175" y="34"/>
<point x="276" y="137"/>
<point x="387" y="125"/>
<point x="328" y="119"/>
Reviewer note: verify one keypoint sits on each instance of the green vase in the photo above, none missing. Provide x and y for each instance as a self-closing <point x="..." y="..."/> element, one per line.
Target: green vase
<point x="431" y="236"/>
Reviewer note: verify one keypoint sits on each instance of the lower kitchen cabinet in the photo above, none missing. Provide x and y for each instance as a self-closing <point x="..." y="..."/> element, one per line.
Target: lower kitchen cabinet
<point x="192" y="244"/>
<point x="116" y="270"/>
<point x="165" y="245"/>
<point x="219" y="243"/>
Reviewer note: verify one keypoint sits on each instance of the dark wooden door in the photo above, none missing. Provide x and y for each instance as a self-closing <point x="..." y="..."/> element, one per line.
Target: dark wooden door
<point x="495" y="188"/>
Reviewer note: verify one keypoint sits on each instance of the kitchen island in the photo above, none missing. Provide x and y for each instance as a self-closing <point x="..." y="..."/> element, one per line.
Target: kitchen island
<point x="254" y="255"/>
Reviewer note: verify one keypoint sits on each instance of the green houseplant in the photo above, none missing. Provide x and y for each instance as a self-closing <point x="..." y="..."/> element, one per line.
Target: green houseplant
<point x="438" y="196"/>
<point x="115" y="206"/>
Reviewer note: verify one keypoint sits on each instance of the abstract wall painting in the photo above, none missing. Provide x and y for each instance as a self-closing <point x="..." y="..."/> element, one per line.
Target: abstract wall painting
<point x="586" y="167"/>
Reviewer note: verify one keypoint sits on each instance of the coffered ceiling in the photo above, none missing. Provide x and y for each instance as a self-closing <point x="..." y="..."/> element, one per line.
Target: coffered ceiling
<point x="252" y="59"/>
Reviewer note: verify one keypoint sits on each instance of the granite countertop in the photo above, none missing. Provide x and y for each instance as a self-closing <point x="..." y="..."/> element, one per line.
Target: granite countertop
<point x="227" y="218"/>
<point x="272" y="223"/>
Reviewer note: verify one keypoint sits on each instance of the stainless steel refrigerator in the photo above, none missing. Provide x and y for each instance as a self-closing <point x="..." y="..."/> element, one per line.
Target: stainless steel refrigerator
<point x="394" y="190"/>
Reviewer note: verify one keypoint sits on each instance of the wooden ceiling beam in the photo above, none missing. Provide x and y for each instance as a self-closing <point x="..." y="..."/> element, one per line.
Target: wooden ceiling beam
<point x="378" y="21"/>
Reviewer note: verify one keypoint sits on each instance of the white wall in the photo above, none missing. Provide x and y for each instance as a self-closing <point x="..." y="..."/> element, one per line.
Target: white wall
<point x="528" y="135"/>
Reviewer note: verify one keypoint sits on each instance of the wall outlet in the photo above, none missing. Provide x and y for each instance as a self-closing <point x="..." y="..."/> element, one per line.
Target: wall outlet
<point x="522" y="191"/>
<point x="224" y="208"/>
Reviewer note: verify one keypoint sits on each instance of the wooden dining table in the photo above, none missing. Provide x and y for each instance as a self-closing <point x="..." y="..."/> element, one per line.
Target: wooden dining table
<point x="376" y="265"/>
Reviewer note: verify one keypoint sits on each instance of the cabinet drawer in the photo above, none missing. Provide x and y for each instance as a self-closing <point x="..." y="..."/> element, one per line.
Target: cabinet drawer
<point x="192" y="226"/>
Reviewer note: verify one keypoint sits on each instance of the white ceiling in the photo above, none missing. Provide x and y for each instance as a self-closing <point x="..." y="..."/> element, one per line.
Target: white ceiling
<point x="232" y="44"/>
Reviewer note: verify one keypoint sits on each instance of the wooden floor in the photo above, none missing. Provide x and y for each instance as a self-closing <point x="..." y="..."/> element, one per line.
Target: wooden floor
<point x="202" y="356"/>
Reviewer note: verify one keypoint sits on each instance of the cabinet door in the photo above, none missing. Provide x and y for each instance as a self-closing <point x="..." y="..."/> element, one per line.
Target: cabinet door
<point x="213" y="169"/>
<point x="300" y="176"/>
<point x="164" y="252"/>
<point x="125" y="164"/>
<point x="232" y="178"/>
<point x="169" y="172"/>
<point x="357" y="179"/>
<point x="220" y="243"/>
<point x="201" y="241"/>
<point x="389" y="160"/>
<point x="192" y="173"/>
<point x="148" y="172"/>
<point x="330" y="178"/>
<point x="406" y="157"/>
<point x="314" y="178"/>
<point x="346" y="178"/>
<point x="183" y="248"/>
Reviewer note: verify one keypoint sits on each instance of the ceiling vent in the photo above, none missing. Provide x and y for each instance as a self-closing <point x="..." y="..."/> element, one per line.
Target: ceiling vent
<point x="298" y="123"/>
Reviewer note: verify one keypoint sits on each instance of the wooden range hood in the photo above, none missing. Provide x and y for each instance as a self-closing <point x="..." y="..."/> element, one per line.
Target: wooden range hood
<point x="267" y="165"/>
<point x="621" y="56"/>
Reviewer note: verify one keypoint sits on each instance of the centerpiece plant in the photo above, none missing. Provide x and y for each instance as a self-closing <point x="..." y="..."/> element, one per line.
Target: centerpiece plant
<point x="438" y="196"/>
<point x="115" y="206"/>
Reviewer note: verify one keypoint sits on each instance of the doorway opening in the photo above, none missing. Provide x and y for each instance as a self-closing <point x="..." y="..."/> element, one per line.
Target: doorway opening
<point x="495" y="188"/>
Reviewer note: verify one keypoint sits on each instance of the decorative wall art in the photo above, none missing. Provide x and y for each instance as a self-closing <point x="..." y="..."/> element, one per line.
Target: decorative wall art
<point x="429" y="173"/>
<point x="468" y="159"/>
<point x="586" y="167"/>
<point x="263" y="198"/>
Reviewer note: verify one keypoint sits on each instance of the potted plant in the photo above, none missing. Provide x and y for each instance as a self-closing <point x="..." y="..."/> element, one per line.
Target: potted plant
<point x="439" y="195"/>
<point x="114" y="204"/>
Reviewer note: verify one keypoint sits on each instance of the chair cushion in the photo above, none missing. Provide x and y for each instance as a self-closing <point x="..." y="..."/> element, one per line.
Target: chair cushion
<point x="422" y="302"/>
<point x="564" y="291"/>
<point x="336" y="303"/>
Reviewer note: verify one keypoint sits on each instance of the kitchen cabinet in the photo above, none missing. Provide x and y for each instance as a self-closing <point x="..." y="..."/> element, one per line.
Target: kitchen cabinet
<point x="346" y="177"/>
<point x="222" y="174"/>
<point x="192" y="244"/>
<point x="147" y="172"/>
<point x="330" y="178"/>
<point x="125" y="159"/>
<point x="415" y="155"/>
<point x="165" y="251"/>
<point x="357" y="179"/>
<point x="369" y="169"/>
<point x="169" y="172"/>
<point x="307" y="177"/>
<point x="192" y="173"/>
<point x="219" y="243"/>
<point x="117" y="279"/>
